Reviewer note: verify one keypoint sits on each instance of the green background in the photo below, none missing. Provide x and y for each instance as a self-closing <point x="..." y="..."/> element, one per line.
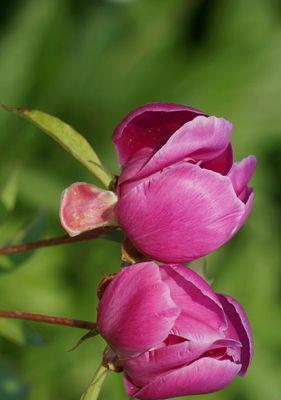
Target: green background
<point x="90" y="62"/>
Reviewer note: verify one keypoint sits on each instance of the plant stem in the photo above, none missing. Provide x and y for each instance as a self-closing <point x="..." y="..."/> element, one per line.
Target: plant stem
<point x="56" y="241"/>
<point x="47" y="319"/>
<point x="95" y="386"/>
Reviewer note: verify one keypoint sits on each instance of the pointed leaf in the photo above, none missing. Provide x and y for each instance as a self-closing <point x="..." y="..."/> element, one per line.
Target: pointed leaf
<point x="69" y="138"/>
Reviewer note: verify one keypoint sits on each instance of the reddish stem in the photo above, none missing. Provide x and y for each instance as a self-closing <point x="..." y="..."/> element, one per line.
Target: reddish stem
<point x="93" y="234"/>
<point x="48" y="319"/>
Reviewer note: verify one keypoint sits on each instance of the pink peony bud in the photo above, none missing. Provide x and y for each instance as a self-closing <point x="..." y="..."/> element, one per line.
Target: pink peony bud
<point x="180" y="194"/>
<point x="171" y="333"/>
<point x="85" y="207"/>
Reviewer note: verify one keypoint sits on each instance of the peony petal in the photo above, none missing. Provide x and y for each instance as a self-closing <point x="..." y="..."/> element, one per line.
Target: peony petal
<point x="241" y="173"/>
<point x="202" y="318"/>
<point x="222" y="163"/>
<point x="248" y="208"/>
<point x="85" y="207"/>
<point x="135" y="300"/>
<point x="240" y="324"/>
<point x="133" y="166"/>
<point x="181" y="213"/>
<point x="202" y="139"/>
<point x="155" y="363"/>
<point x="205" y="375"/>
<point x="149" y="126"/>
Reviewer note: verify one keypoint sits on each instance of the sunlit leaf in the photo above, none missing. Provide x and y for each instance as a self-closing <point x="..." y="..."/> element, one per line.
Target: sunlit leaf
<point x="95" y="386"/>
<point x="69" y="138"/>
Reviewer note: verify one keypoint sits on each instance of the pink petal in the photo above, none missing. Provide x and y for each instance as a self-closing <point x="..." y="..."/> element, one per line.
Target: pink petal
<point x="85" y="207"/>
<point x="248" y="207"/>
<point x="155" y="363"/>
<point x="202" y="318"/>
<point x="149" y="126"/>
<point x="134" y="165"/>
<point x="222" y="163"/>
<point x="205" y="375"/>
<point x="202" y="139"/>
<point x="241" y="173"/>
<point x="239" y="323"/>
<point x="136" y="311"/>
<point x="181" y="213"/>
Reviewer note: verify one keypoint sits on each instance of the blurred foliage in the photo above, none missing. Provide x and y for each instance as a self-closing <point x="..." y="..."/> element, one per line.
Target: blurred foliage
<point x="89" y="63"/>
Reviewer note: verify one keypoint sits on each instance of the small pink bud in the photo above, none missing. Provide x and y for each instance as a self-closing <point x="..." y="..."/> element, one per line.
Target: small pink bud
<point x="85" y="207"/>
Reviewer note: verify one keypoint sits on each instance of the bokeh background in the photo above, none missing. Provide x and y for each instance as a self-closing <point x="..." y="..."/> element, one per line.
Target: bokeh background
<point x="90" y="62"/>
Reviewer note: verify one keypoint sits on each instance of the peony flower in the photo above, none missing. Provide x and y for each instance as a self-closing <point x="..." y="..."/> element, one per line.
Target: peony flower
<point x="171" y="333"/>
<point x="180" y="195"/>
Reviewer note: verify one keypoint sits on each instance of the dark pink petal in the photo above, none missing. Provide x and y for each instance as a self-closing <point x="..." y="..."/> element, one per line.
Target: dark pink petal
<point x="248" y="207"/>
<point x="136" y="311"/>
<point x="85" y="207"/>
<point x="149" y="126"/>
<point x="134" y="165"/>
<point x="150" y="365"/>
<point x="239" y="323"/>
<point x="205" y="375"/>
<point x="222" y="163"/>
<point x="241" y="173"/>
<point x="202" y="139"/>
<point x="202" y="318"/>
<point x="181" y="213"/>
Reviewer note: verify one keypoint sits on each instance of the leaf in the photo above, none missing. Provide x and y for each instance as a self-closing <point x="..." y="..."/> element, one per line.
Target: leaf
<point x="9" y="192"/>
<point x="69" y="138"/>
<point x="95" y="386"/>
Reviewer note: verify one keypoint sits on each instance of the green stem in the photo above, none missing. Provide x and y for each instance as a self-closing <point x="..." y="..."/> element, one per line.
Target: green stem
<point x="95" y="386"/>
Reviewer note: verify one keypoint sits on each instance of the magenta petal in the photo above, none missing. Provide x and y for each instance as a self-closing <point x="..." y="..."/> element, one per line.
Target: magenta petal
<point x="181" y="213"/>
<point x="135" y="300"/>
<point x="241" y="173"/>
<point x="149" y="126"/>
<point x="240" y="324"/>
<point x="134" y="165"/>
<point x="202" y="318"/>
<point x="85" y="207"/>
<point x="202" y="139"/>
<point x="248" y="207"/>
<point x="155" y="363"/>
<point x="222" y="163"/>
<point x="205" y="375"/>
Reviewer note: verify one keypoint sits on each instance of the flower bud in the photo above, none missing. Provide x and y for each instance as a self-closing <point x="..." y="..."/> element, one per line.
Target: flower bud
<point x="85" y="207"/>
<point x="181" y="196"/>
<point x="171" y="333"/>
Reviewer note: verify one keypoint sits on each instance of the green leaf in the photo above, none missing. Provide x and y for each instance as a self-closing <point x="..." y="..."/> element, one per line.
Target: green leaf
<point x="95" y="386"/>
<point x="9" y="193"/>
<point x="69" y="138"/>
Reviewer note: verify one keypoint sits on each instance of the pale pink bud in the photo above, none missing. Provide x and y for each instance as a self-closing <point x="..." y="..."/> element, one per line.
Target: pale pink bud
<point x="85" y="207"/>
